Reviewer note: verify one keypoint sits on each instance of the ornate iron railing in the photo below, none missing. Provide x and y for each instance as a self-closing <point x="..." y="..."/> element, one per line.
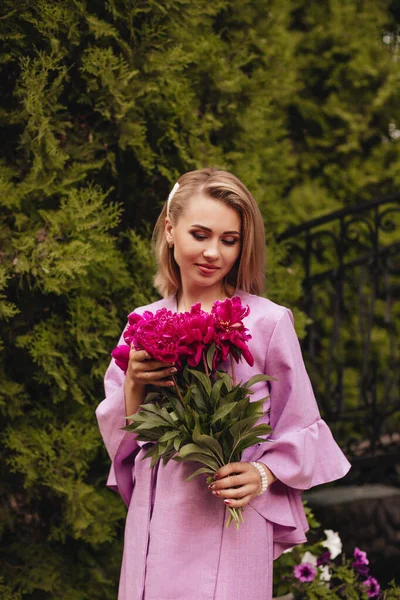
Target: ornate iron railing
<point x="350" y="264"/>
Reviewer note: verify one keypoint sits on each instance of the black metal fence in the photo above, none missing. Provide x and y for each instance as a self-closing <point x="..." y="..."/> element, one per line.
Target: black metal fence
<point x="350" y="264"/>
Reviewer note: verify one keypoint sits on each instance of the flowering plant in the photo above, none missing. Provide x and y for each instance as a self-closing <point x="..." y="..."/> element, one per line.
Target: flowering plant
<point x="206" y="417"/>
<point x="320" y="570"/>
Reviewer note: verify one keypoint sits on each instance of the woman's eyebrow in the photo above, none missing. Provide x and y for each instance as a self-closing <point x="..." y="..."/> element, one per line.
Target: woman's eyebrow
<point x="210" y="230"/>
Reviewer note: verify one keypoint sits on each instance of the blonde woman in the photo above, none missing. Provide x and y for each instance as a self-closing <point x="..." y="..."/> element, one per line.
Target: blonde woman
<point x="209" y="243"/>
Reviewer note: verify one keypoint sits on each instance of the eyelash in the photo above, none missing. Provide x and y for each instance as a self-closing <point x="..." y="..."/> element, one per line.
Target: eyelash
<point x="200" y="237"/>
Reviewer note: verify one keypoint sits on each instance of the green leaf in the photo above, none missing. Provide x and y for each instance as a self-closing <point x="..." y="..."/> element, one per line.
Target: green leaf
<point x="168" y="455"/>
<point x="222" y="412"/>
<point x="242" y="426"/>
<point x="189" y="449"/>
<point x="198" y="399"/>
<point x="257" y="378"/>
<point x="210" y="356"/>
<point x="169" y="435"/>
<point x="208" y="444"/>
<point x="199" y="472"/>
<point x="151" y="397"/>
<point x="204" y="380"/>
<point x="178" y="408"/>
<point x="152" y="422"/>
<point x="226" y="379"/>
<point x="216" y="393"/>
<point x="203" y="459"/>
<point x="189" y="418"/>
<point x="165" y="415"/>
<point x="255" y="408"/>
<point x="247" y="441"/>
<point x="177" y="443"/>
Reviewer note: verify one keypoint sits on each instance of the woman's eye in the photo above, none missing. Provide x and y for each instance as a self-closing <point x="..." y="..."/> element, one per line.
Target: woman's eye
<point x="201" y="237"/>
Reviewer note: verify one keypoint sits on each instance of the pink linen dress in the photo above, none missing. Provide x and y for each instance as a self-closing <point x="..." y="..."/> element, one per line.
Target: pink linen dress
<point x="176" y="544"/>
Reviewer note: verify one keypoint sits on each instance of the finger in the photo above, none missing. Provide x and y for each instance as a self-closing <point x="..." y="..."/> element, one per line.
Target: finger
<point x="153" y="376"/>
<point x="139" y="355"/>
<point x="240" y="503"/>
<point x="158" y="383"/>
<point x="144" y="356"/>
<point x="231" y="481"/>
<point x="164" y="383"/>
<point x="155" y="365"/>
<point x="236" y="493"/>
<point x="230" y="468"/>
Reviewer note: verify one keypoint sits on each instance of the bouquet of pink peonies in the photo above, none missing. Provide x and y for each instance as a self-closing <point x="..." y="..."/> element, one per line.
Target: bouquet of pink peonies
<point x="206" y="417"/>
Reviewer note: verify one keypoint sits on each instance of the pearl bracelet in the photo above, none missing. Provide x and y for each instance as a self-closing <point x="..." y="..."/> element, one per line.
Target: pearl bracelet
<point x="263" y="475"/>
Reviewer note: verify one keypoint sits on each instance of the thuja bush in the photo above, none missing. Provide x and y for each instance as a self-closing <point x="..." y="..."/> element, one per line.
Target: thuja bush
<point x="104" y="104"/>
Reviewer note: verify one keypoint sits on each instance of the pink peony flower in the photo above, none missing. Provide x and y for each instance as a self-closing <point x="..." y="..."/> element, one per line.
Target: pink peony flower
<point x="230" y="333"/>
<point x="198" y="333"/>
<point x="121" y="356"/>
<point x="372" y="587"/>
<point x="305" y="572"/>
<point x="184" y="337"/>
<point x="160" y="334"/>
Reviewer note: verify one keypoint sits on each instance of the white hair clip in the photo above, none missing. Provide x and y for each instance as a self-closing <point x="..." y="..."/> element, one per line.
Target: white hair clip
<point x="171" y="195"/>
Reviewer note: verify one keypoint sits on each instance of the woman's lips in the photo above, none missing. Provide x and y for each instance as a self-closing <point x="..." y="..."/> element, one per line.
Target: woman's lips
<point x="207" y="269"/>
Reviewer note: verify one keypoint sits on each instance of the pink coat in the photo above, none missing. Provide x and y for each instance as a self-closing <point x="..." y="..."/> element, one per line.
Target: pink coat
<point x="176" y="544"/>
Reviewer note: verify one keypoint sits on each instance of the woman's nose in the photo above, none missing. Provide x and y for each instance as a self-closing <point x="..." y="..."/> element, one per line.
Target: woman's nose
<point x="211" y="252"/>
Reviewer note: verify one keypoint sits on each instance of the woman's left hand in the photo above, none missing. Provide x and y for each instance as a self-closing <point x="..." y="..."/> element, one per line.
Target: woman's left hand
<point x="238" y="483"/>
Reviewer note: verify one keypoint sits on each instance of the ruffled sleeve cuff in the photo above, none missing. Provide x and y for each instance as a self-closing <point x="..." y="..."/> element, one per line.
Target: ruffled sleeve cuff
<point x="305" y="458"/>
<point x="299" y="460"/>
<point x="282" y="506"/>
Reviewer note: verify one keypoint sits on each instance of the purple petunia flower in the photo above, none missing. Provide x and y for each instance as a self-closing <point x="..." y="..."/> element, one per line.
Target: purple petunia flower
<point x="360" y="562"/>
<point x="305" y="572"/>
<point x="361" y="568"/>
<point x="373" y="588"/>
<point x="324" y="559"/>
<point x="360" y="556"/>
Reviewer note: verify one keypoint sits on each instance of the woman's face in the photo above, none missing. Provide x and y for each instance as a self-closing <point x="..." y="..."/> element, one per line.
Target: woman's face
<point x="207" y="241"/>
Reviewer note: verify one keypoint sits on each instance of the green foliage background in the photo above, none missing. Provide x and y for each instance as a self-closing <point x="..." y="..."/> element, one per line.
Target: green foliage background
<point x="103" y="105"/>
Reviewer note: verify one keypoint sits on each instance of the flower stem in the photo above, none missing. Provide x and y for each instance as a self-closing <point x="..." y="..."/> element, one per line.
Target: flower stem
<point x="236" y="515"/>
<point x="178" y="391"/>
<point x="205" y="365"/>
<point x="233" y="370"/>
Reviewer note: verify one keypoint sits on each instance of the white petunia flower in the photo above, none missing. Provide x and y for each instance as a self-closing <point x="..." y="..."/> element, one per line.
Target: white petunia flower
<point x="325" y="574"/>
<point x="309" y="558"/>
<point x="333" y="543"/>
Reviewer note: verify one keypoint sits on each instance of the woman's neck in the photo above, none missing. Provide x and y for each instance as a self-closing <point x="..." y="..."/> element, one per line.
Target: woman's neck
<point x="186" y="298"/>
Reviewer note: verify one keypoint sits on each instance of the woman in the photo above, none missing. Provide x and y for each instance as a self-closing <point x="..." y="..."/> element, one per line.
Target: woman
<point x="210" y="245"/>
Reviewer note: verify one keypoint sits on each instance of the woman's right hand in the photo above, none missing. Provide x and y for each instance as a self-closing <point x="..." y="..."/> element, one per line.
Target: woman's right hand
<point x="143" y="370"/>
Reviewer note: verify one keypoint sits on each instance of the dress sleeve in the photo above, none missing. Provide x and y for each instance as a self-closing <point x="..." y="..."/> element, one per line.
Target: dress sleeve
<point x="301" y="451"/>
<point x="122" y="446"/>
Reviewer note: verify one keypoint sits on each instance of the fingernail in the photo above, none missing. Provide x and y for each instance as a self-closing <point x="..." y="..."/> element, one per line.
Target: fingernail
<point x="174" y="370"/>
<point x="216" y="476"/>
<point x="170" y="384"/>
<point x="215" y="492"/>
<point x="228" y="501"/>
<point x="211" y="487"/>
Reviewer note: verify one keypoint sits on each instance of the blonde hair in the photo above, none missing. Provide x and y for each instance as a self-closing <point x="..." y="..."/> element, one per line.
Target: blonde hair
<point x="248" y="273"/>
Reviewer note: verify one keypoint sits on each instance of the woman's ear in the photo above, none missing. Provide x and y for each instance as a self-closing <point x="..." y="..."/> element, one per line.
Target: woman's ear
<point x="168" y="232"/>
